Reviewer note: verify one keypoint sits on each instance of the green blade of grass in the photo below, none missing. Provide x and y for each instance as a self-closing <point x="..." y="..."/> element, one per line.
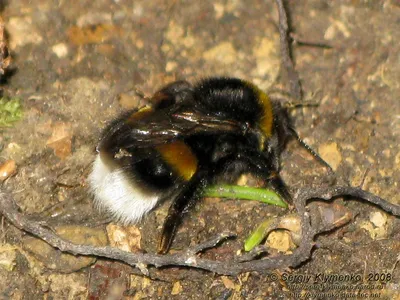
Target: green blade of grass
<point x="258" y="235"/>
<point x="245" y="193"/>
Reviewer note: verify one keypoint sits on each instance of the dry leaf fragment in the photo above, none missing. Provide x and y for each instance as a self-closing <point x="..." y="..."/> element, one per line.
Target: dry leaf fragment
<point x="61" y="140"/>
<point x="7" y="169"/>
<point x="229" y="284"/>
<point x="93" y="34"/>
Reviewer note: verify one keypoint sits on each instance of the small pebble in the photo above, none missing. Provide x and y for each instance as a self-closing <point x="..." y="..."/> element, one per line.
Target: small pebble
<point x="61" y="50"/>
<point x="7" y="169"/>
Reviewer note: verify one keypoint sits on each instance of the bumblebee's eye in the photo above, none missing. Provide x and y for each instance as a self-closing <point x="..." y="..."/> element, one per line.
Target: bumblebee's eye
<point x="245" y="126"/>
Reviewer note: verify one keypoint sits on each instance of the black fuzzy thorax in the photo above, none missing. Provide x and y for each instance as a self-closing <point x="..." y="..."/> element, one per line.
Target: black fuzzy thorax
<point x="231" y="98"/>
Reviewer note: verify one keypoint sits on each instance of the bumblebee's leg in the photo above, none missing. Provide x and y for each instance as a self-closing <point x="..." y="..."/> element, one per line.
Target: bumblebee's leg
<point x="266" y="167"/>
<point x="312" y="151"/>
<point x="279" y="186"/>
<point x="185" y="199"/>
<point x="189" y="195"/>
<point x="259" y="164"/>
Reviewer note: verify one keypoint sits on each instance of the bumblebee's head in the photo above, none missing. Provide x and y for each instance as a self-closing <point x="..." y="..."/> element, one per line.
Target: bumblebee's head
<point x="264" y="122"/>
<point x="272" y="125"/>
<point x="272" y="143"/>
<point x="282" y="127"/>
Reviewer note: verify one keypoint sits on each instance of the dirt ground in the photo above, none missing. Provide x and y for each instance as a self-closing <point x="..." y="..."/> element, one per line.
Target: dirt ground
<point x="77" y="64"/>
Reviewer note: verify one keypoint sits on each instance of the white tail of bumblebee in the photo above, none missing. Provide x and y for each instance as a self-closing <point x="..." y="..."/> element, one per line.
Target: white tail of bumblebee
<point x="115" y="192"/>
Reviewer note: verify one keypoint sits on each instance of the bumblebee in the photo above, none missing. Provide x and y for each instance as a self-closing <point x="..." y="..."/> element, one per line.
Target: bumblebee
<point x="190" y="137"/>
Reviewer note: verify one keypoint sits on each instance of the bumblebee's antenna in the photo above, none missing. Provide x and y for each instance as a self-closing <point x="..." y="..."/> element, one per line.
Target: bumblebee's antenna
<point x="297" y="104"/>
<point x="290" y="102"/>
<point x="312" y="151"/>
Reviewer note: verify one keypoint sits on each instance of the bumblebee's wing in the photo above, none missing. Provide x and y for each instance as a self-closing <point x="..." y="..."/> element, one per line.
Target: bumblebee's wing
<point x="164" y="126"/>
<point x="202" y="123"/>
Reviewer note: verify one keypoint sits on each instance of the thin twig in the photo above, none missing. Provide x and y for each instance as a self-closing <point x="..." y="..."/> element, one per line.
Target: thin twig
<point x="253" y="254"/>
<point x="188" y="258"/>
<point x="295" y="87"/>
<point x="211" y="243"/>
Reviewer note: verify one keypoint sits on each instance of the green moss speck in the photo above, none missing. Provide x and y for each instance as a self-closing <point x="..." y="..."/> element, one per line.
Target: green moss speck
<point x="10" y="111"/>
